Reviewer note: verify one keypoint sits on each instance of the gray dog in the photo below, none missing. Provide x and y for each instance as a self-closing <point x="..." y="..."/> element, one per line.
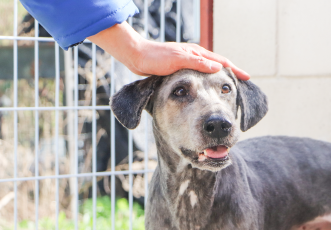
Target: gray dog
<point x="270" y="183"/>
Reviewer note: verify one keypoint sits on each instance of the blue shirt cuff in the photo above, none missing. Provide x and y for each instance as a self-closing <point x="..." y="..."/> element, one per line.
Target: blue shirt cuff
<point x="116" y="17"/>
<point x="71" y="21"/>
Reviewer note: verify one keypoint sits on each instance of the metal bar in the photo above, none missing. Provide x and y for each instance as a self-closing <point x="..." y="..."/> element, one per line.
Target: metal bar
<point x="130" y="177"/>
<point x="15" y="113"/>
<point x="178" y="21"/>
<point x="94" y="135"/>
<point x="61" y="108"/>
<point x="146" y="18"/>
<point x="40" y="39"/>
<point x="145" y="117"/>
<point x="130" y="161"/>
<point x="112" y="143"/>
<point x="162" y="24"/>
<point x="76" y="134"/>
<point x="36" y="121"/>
<point x="18" y="38"/>
<point x="56" y="143"/>
<point x="130" y="21"/>
<point x="130" y="174"/>
<point x="196" y="13"/>
<point x="70" y="127"/>
<point x="63" y="176"/>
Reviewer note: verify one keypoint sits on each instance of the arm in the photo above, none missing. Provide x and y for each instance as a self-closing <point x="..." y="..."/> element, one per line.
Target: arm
<point x="71" y="21"/>
<point x="144" y="57"/>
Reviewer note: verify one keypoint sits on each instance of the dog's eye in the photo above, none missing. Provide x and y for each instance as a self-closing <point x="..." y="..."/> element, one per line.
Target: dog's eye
<point x="180" y="92"/>
<point x="226" y="89"/>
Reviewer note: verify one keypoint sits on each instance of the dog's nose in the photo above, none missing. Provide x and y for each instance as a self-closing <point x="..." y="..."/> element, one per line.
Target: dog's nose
<point x="217" y="127"/>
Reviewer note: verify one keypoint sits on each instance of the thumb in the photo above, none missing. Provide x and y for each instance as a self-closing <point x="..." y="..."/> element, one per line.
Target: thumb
<point x="202" y="64"/>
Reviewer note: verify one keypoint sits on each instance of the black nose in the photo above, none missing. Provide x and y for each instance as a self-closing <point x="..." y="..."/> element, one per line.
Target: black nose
<point x="217" y="127"/>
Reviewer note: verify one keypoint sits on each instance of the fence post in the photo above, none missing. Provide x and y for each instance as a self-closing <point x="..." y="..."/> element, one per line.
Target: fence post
<point x="69" y="89"/>
<point x="206" y="24"/>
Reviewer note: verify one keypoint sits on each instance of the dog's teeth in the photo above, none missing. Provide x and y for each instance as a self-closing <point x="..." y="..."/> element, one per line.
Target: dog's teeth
<point x="202" y="157"/>
<point x="228" y="149"/>
<point x="205" y="152"/>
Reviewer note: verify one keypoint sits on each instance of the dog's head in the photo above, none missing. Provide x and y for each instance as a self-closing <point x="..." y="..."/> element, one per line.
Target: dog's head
<point x="194" y="112"/>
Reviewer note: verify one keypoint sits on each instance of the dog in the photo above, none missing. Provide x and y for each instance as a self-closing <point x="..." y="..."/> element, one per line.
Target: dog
<point x="270" y="183"/>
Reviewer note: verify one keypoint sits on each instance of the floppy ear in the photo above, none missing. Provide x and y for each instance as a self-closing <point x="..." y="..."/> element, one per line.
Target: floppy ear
<point x="128" y="103"/>
<point x="253" y="104"/>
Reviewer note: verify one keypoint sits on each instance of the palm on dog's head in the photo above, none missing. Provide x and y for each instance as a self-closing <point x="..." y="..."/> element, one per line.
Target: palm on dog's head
<point x="194" y="112"/>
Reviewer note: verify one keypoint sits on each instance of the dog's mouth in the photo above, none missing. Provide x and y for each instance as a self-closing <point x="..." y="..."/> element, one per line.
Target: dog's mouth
<point x="217" y="153"/>
<point x="213" y="158"/>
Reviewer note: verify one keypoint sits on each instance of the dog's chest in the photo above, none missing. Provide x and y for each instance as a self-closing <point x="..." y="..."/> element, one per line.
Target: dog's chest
<point x="200" y="203"/>
<point x="191" y="210"/>
<point x="192" y="201"/>
<point x="194" y="212"/>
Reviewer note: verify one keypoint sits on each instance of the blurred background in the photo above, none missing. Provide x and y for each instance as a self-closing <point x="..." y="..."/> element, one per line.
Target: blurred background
<point x="286" y="47"/>
<point x="66" y="163"/>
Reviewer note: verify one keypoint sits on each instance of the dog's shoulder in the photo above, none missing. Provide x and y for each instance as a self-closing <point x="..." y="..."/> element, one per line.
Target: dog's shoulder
<point x="284" y="146"/>
<point x="283" y="158"/>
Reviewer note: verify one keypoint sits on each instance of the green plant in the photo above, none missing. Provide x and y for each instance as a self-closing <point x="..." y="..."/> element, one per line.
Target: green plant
<point x="103" y="214"/>
<point x="103" y="217"/>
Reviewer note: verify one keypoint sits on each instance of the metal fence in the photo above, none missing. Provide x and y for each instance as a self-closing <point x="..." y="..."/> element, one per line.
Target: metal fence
<point x="72" y="110"/>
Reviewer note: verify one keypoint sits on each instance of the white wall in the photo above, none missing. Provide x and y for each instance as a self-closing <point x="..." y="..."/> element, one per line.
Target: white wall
<point x="286" y="47"/>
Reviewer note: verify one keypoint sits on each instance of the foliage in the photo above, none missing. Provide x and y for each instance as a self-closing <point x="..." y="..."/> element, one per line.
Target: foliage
<point x="103" y="217"/>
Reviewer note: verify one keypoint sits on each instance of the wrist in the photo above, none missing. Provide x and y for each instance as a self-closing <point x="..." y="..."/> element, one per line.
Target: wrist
<point x="122" y="42"/>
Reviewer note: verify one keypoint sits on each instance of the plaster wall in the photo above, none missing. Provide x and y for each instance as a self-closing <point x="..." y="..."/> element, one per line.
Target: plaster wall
<point x="286" y="47"/>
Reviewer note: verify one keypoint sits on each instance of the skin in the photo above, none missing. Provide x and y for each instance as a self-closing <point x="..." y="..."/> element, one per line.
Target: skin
<point x="144" y="57"/>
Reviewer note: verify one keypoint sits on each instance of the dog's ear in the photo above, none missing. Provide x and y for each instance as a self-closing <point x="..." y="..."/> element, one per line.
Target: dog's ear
<point x="253" y="104"/>
<point x="252" y="101"/>
<point x="127" y="104"/>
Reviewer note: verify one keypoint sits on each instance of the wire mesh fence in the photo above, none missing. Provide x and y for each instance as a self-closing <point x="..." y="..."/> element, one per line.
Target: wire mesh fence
<point x="66" y="163"/>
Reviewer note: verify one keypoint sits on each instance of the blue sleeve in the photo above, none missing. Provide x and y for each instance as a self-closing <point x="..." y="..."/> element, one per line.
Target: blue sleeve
<point x="71" y="21"/>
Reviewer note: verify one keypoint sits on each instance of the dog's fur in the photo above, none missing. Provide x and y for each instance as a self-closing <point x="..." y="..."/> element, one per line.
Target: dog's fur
<point x="271" y="183"/>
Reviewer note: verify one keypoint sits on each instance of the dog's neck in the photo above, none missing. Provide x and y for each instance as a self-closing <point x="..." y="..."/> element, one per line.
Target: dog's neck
<point x="195" y="196"/>
<point x="184" y="188"/>
<point x="189" y="192"/>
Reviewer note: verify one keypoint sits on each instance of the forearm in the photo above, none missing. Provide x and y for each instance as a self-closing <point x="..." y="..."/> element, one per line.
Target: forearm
<point x="70" y="24"/>
<point x="122" y="42"/>
<point x="144" y="57"/>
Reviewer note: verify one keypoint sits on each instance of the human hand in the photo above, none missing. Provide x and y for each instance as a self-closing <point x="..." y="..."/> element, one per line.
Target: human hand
<point x="166" y="58"/>
<point x="144" y="57"/>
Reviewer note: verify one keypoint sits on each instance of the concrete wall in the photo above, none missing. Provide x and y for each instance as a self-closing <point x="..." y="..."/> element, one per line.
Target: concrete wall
<point x="286" y="47"/>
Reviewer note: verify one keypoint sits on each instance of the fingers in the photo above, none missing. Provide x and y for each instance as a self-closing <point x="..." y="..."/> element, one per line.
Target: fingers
<point x="242" y="75"/>
<point x="201" y="64"/>
<point x="172" y="57"/>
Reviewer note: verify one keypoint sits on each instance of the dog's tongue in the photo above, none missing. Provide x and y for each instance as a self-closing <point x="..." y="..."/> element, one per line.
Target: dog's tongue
<point x="216" y="152"/>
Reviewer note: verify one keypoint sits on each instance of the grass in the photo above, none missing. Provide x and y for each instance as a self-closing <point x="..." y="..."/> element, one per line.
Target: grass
<point x="103" y="217"/>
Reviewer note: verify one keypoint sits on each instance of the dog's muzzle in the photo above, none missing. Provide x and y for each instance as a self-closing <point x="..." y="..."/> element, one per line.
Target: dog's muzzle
<point x="217" y="127"/>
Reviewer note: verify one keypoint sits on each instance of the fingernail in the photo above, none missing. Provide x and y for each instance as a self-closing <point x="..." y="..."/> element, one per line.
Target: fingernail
<point x="215" y="66"/>
<point x="247" y="75"/>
